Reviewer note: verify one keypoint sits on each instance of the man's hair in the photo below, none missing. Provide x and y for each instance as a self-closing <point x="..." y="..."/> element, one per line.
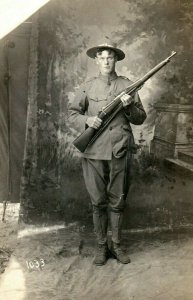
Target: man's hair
<point x="100" y="50"/>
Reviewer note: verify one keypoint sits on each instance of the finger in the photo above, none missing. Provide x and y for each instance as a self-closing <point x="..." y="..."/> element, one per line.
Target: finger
<point x="124" y="98"/>
<point x="97" y="124"/>
<point x="95" y="121"/>
<point x="127" y="97"/>
<point x="94" y="126"/>
<point x="99" y="120"/>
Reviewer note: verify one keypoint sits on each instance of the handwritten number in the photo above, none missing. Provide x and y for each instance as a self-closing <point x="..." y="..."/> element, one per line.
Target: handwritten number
<point x="42" y="262"/>
<point x="35" y="264"/>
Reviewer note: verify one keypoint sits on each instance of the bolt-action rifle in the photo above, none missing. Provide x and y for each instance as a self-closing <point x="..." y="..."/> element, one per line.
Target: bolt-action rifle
<point x="108" y="112"/>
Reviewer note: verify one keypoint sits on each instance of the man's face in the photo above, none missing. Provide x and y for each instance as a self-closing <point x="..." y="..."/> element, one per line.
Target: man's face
<point x="106" y="61"/>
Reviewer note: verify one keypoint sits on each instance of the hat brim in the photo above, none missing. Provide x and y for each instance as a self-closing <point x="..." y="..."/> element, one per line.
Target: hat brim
<point x="92" y="51"/>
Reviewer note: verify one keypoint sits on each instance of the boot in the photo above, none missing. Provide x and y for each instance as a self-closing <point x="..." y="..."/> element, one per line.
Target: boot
<point x="119" y="253"/>
<point x="101" y="255"/>
<point x="100" y="220"/>
<point x="116" y="250"/>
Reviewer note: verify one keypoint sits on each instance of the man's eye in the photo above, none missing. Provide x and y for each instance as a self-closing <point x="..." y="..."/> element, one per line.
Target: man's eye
<point x="108" y="58"/>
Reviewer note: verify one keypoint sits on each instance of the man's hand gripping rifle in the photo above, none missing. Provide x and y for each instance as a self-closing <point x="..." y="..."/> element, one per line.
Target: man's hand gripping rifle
<point x="109" y="111"/>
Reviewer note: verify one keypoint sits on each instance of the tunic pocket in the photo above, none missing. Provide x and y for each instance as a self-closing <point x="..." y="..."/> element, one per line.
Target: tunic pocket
<point x="95" y="105"/>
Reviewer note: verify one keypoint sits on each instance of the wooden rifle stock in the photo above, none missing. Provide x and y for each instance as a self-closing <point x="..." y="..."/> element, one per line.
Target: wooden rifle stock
<point x="108" y="112"/>
<point x="82" y="141"/>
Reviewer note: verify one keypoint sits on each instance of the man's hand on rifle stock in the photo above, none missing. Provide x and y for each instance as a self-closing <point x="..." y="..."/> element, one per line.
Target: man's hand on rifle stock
<point x="94" y="122"/>
<point x="127" y="100"/>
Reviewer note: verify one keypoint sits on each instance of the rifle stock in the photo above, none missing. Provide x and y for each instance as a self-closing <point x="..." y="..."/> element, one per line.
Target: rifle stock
<point x="108" y="112"/>
<point x="82" y="141"/>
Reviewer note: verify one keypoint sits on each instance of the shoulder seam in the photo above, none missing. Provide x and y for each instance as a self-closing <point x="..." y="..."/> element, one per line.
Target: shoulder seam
<point x="124" y="77"/>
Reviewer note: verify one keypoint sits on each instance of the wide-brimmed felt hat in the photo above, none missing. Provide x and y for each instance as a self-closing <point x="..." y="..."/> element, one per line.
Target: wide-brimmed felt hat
<point x="109" y="45"/>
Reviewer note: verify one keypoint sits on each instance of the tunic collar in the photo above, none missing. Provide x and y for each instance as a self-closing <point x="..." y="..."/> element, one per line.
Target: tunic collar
<point x="108" y="78"/>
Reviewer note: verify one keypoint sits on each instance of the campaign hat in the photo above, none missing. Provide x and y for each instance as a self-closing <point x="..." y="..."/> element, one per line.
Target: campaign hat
<point x="91" y="52"/>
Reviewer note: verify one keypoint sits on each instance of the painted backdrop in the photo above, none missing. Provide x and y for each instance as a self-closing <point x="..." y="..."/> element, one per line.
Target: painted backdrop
<point x="52" y="185"/>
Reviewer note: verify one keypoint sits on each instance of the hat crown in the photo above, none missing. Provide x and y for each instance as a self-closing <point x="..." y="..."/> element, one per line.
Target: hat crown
<point x="111" y="45"/>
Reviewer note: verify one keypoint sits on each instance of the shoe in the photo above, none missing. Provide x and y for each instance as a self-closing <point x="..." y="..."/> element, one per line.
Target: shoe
<point x="101" y="255"/>
<point x="119" y="254"/>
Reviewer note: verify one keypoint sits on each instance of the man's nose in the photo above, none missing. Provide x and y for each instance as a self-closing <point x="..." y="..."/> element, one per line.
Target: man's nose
<point x="106" y="61"/>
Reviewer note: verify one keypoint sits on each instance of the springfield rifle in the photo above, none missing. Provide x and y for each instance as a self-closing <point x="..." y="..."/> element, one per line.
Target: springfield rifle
<point x="108" y="112"/>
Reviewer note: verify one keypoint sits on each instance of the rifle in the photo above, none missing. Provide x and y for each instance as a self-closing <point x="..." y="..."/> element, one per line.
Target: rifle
<point x="108" y="112"/>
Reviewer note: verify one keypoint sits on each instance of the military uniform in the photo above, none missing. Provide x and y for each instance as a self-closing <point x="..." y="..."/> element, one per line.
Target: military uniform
<point x="105" y="162"/>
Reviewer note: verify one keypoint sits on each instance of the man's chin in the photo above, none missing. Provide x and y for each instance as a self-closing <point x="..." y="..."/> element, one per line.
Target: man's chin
<point x="107" y="72"/>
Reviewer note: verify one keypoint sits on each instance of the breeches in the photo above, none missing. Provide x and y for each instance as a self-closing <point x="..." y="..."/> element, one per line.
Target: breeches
<point x="107" y="182"/>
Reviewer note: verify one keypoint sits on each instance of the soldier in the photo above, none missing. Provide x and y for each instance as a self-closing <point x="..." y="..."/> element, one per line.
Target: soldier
<point x="106" y="162"/>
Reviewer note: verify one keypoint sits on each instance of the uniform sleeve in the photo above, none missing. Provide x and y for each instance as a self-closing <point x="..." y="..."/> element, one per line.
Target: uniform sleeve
<point x="135" y="112"/>
<point x="77" y="110"/>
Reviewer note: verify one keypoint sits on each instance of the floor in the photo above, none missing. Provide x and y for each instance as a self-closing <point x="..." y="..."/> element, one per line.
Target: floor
<point x="55" y="262"/>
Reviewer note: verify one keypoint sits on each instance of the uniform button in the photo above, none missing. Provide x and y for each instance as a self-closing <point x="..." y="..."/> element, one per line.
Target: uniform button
<point x="110" y="128"/>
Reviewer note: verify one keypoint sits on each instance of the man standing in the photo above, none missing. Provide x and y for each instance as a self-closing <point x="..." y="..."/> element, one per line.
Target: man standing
<point x="106" y="162"/>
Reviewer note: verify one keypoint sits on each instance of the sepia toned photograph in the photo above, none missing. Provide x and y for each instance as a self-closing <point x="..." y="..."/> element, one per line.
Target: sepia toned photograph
<point x="96" y="150"/>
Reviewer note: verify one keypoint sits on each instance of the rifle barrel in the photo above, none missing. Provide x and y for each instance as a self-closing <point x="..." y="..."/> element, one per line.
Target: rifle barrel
<point x="154" y="70"/>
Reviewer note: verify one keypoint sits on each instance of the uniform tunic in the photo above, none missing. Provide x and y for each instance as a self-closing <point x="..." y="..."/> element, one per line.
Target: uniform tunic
<point x="117" y="138"/>
<point x="105" y="162"/>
